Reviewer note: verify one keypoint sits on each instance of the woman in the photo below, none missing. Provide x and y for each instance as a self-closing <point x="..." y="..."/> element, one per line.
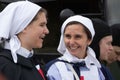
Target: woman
<point x="116" y="39"/>
<point x="102" y="42"/>
<point x="23" y="27"/>
<point x="77" y="33"/>
<point x="115" y="66"/>
<point x="102" y="45"/>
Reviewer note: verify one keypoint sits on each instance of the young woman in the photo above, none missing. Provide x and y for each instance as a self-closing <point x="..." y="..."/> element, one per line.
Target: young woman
<point x="23" y="27"/>
<point x="78" y="61"/>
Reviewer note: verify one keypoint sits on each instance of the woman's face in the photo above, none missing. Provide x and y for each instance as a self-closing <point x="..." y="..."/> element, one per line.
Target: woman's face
<point x="76" y="40"/>
<point x="115" y="55"/>
<point x="106" y="47"/>
<point x="112" y="57"/>
<point x="35" y="32"/>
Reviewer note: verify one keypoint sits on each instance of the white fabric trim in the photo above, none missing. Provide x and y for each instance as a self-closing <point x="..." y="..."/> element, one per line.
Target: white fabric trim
<point x="24" y="52"/>
<point x="14" y="46"/>
<point x="92" y="57"/>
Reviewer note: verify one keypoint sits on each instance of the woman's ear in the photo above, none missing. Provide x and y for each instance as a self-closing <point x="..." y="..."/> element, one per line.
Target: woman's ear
<point x="89" y="42"/>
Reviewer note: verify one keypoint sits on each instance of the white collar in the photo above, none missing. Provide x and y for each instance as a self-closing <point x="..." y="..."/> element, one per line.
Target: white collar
<point x="24" y="52"/>
<point x="90" y="58"/>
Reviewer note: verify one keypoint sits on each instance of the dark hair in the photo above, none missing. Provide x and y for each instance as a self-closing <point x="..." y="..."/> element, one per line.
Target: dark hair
<point x="89" y="35"/>
<point x="116" y="34"/>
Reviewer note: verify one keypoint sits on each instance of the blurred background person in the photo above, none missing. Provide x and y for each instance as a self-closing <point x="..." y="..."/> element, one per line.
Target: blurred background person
<point x="116" y="39"/>
<point x="102" y="44"/>
<point x="115" y="65"/>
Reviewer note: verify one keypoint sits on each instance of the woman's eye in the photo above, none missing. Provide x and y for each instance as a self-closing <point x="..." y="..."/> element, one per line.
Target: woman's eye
<point x="41" y="25"/>
<point x="78" y="36"/>
<point x="67" y="36"/>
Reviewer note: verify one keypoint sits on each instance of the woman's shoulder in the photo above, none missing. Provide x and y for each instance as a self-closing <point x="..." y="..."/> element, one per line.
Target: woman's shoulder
<point x="5" y="54"/>
<point x="106" y="72"/>
<point x="6" y="58"/>
<point x="50" y="63"/>
<point x="6" y="61"/>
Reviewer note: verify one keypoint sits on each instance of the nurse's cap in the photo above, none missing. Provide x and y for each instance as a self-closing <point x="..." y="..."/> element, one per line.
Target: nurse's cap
<point x="78" y="18"/>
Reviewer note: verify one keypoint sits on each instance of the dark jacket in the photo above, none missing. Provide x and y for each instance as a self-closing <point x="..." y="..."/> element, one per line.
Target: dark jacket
<point x="106" y="72"/>
<point x="23" y="70"/>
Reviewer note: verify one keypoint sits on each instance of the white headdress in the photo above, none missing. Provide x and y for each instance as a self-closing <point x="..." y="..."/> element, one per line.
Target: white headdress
<point x="13" y="19"/>
<point x="83" y="20"/>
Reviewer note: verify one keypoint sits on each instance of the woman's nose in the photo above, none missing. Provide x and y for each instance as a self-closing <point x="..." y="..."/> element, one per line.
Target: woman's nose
<point x="46" y="30"/>
<point x="71" y="41"/>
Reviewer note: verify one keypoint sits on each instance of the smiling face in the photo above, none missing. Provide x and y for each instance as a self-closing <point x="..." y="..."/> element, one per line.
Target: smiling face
<point x="76" y="40"/>
<point x="32" y="36"/>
